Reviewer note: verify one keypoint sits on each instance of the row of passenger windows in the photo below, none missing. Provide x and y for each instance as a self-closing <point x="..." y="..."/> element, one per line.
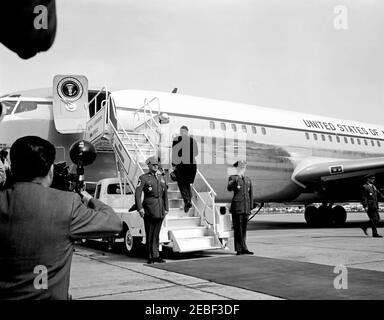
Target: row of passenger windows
<point x="345" y="139"/>
<point x="234" y="127"/>
<point x="244" y="128"/>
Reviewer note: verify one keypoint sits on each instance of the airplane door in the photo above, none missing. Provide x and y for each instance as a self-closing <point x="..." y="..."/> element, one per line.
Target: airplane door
<point x="70" y="103"/>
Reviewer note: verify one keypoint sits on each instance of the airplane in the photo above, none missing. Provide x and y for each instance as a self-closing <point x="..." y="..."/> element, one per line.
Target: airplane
<point x="291" y="157"/>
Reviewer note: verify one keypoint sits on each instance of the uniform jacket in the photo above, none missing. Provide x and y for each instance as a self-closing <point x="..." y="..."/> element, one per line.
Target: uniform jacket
<point x="242" y="201"/>
<point x="37" y="228"/>
<point x="155" y="201"/>
<point x="371" y="196"/>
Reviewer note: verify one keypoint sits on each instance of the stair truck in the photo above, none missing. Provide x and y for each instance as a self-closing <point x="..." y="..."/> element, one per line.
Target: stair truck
<point x="181" y="232"/>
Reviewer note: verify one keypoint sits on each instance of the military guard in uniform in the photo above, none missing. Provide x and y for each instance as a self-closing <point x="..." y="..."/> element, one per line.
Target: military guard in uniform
<point x="241" y="206"/>
<point x="154" y="206"/>
<point x="371" y="206"/>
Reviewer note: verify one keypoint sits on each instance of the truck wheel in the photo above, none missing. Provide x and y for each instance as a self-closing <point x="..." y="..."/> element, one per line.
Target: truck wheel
<point x="131" y="243"/>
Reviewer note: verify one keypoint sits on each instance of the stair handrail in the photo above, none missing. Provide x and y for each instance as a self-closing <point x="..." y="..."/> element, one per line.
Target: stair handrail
<point x="146" y="111"/>
<point x="96" y="95"/>
<point x="132" y="141"/>
<point x="147" y="104"/>
<point x="121" y="176"/>
<point x="125" y="135"/>
<point x="212" y="195"/>
<point x="115" y="132"/>
<point x="206" y="183"/>
<point x="149" y="126"/>
<point x="149" y="140"/>
<point x="134" y="162"/>
<point x="202" y="214"/>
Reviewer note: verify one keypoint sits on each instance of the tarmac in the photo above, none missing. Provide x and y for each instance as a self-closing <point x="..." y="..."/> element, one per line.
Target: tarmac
<point x="100" y="275"/>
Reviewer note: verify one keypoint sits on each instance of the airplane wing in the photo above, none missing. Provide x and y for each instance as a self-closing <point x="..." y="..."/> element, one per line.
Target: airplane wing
<point x="338" y="179"/>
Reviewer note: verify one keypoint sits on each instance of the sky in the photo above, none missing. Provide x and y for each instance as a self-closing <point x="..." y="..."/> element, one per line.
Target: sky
<point x="285" y="54"/>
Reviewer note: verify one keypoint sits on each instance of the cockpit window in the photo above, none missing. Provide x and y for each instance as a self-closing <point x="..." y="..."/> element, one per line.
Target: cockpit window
<point x="25" y="106"/>
<point x="9" y="105"/>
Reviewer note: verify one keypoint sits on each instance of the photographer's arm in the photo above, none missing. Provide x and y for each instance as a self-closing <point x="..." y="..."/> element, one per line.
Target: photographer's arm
<point x="93" y="221"/>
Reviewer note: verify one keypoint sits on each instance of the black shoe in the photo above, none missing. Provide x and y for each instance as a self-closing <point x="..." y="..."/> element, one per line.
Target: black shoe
<point x="186" y="208"/>
<point x="150" y="261"/>
<point x="377" y="236"/>
<point x="246" y="252"/>
<point x="364" y="230"/>
<point x="159" y="260"/>
<point x="238" y="253"/>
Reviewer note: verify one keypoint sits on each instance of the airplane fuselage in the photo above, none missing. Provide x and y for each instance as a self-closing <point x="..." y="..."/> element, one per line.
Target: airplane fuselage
<point x="273" y="142"/>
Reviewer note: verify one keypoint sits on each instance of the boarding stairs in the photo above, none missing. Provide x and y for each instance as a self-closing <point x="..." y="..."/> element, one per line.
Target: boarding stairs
<point x="190" y="231"/>
<point x="181" y="231"/>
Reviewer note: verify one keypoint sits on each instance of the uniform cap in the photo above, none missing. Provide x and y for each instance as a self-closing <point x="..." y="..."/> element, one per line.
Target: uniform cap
<point x="240" y="163"/>
<point x="369" y="176"/>
<point x="152" y="160"/>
